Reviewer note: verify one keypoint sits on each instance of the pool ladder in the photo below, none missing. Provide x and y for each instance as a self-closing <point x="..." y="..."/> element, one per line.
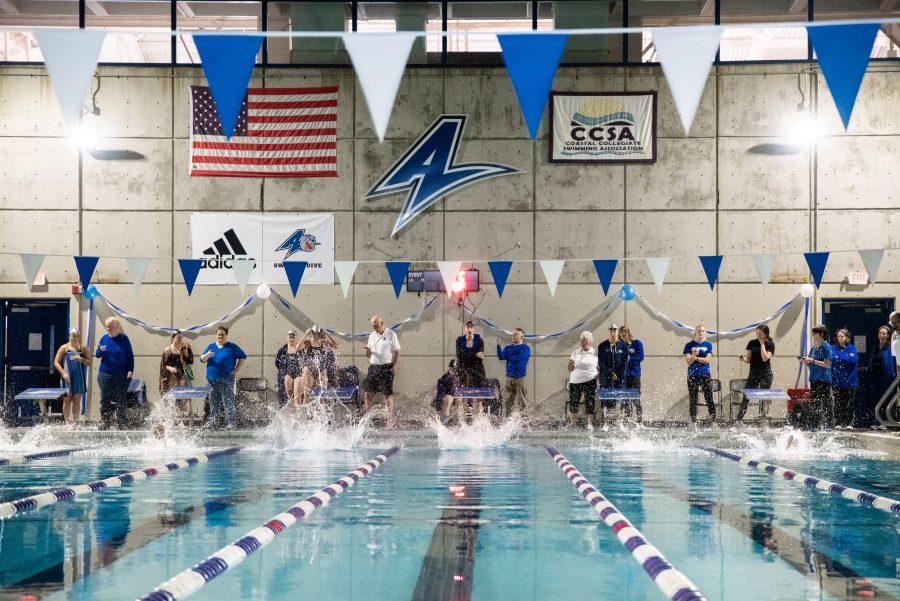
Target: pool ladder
<point x="888" y="403"/>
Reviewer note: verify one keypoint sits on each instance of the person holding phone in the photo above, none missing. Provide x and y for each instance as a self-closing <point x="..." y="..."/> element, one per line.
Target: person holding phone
<point x="223" y="360"/>
<point x="818" y="361"/>
<point x="759" y="355"/>
<point x="71" y="361"/>
<point x="116" y="368"/>
<point x="698" y="353"/>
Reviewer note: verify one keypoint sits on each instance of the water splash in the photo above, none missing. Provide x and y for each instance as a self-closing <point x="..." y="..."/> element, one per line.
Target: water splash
<point x="320" y="424"/>
<point x="480" y="434"/>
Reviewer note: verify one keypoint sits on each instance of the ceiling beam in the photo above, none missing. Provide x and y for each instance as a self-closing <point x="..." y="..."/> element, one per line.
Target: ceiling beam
<point x="185" y="9"/>
<point x="8" y="7"/>
<point x="889" y="4"/>
<point x="708" y="9"/>
<point x="798" y="7"/>
<point x="892" y="31"/>
<point x="96" y="8"/>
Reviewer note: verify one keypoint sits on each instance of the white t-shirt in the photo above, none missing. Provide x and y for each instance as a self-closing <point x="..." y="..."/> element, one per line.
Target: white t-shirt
<point x="895" y="346"/>
<point x="383" y="347"/>
<point x="585" y="366"/>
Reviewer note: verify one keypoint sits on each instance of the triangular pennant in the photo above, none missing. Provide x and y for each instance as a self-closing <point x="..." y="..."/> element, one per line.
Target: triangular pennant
<point x="137" y="267"/>
<point x="86" y="267"/>
<point x="294" y="271"/>
<point x="397" y="270"/>
<point x="71" y="59"/>
<point x="711" y="265"/>
<point x="531" y="61"/>
<point x="605" y="269"/>
<point x="872" y="260"/>
<point x="345" y="271"/>
<point x="379" y="61"/>
<point x="843" y="53"/>
<point x="31" y="264"/>
<point x="227" y="62"/>
<point x="500" y="273"/>
<point x="686" y="55"/>
<point x="764" y="265"/>
<point x="242" y="269"/>
<point x="190" y="269"/>
<point x="552" y="270"/>
<point x="449" y="271"/>
<point x="816" y="262"/>
<point x="659" y="267"/>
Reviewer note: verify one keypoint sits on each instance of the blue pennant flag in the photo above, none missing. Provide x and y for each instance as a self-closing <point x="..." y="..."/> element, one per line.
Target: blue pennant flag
<point x="843" y="53"/>
<point x="817" y="262"/>
<point x="190" y="269"/>
<point x="711" y="265"/>
<point x="532" y="60"/>
<point x="228" y="62"/>
<point x="500" y="271"/>
<point x="605" y="270"/>
<point x="294" y="271"/>
<point x="85" y="267"/>
<point x="397" y="270"/>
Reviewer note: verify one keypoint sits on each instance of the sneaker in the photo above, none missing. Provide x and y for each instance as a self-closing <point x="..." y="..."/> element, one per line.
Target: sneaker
<point x="229" y="427"/>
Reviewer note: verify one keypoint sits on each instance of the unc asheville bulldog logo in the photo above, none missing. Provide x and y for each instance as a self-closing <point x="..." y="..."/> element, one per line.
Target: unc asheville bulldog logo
<point x="428" y="172"/>
<point x="298" y="241"/>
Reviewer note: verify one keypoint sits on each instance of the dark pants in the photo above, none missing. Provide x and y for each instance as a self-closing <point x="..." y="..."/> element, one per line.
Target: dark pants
<point x="821" y="409"/>
<point x="762" y="380"/>
<point x="864" y="416"/>
<point x="587" y="391"/>
<point x="113" y="392"/>
<point x="634" y="382"/>
<point x="844" y="403"/>
<point x="221" y="400"/>
<point x="695" y="384"/>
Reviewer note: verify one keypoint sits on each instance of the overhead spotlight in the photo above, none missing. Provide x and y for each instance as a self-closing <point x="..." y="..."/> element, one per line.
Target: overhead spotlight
<point x="804" y="129"/>
<point x="86" y="136"/>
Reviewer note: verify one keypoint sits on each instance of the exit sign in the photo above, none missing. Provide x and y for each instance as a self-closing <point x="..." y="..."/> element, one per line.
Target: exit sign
<point x="858" y="278"/>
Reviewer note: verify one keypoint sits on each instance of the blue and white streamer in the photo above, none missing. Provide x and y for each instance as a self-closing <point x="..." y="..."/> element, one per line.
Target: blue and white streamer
<point x="197" y="329"/>
<point x="192" y="580"/>
<point x="305" y="319"/>
<point x="62" y="494"/>
<point x="854" y="494"/>
<point x="36" y="456"/>
<point x="804" y="347"/>
<point x="673" y="584"/>
<point x="609" y="305"/>
<point x="749" y="327"/>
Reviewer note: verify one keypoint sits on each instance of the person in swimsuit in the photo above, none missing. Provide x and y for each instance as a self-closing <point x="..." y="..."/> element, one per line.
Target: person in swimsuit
<point x="71" y="362"/>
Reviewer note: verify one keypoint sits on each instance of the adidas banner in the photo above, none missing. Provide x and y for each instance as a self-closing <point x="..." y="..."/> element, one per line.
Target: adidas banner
<point x="218" y="239"/>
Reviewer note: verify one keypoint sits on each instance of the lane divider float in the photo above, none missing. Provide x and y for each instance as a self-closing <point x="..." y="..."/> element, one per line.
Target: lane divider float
<point x="673" y="584"/>
<point x="45" y="455"/>
<point x="854" y="494"/>
<point x="62" y="494"/>
<point x="193" y="579"/>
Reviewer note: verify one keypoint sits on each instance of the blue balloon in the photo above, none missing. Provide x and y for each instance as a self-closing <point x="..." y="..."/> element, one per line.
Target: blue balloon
<point x="91" y="292"/>
<point x="627" y="293"/>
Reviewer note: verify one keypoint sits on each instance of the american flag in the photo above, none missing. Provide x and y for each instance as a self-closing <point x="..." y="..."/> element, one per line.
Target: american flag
<point x="280" y="132"/>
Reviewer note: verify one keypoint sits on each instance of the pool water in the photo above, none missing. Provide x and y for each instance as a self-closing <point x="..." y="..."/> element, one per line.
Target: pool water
<point x="431" y="524"/>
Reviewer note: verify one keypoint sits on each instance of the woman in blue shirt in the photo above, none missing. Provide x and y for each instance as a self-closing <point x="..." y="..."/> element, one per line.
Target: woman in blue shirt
<point x="223" y="361"/>
<point x="844" y="378"/>
<point x="633" y="370"/>
<point x="697" y="354"/>
<point x="882" y="371"/>
<point x="116" y="368"/>
<point x="818" y="361"/>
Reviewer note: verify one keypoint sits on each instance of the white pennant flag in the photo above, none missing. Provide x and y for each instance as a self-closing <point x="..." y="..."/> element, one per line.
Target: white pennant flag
<point x="31" y="264"/>
<point x="71" y="59"/>
<point x="552" y="271"/>
<point x="659" y="267"/>
<point x="242" y="269"/>
<point x="872" y="260"/>
<point x="449" y="272"/>
<point x="137" y="267"/>
<point x="764" y="265"/>
<point x="379" y="61"/>
<point x="345" y="271"/>
<point x="686" y="55"/>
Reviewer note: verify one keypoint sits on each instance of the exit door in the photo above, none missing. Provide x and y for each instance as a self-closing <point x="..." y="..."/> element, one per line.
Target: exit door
<point x="30" y="331"/>
<point x="862" y="316"/>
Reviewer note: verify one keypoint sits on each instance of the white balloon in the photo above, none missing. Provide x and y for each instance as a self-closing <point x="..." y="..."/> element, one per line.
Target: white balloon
<point x="263" y="291"/>
<point x="807" y="290"/>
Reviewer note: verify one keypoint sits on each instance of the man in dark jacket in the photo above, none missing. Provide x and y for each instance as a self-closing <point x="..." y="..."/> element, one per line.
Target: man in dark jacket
<point x="612" y="360"/>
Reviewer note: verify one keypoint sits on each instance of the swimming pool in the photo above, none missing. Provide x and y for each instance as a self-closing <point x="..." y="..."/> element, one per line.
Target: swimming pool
<point x="499" y="523"/>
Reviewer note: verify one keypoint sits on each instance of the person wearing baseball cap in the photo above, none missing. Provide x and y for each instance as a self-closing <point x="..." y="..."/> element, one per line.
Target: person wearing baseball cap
<point x="612" y="362"/>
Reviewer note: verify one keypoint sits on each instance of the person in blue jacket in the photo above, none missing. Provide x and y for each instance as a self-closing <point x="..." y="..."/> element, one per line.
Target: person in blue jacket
<point x="612" y="363"/>
<point x="516" y="356"/>
<point x="223" y="360"/>
<point x="882" y="371"/>
<point x="818" y="361"/>
<point x="844" y="378"/>
<point x="116" y="369"/>
<point x="698" y="353"/>
<point x="633" y="371"/>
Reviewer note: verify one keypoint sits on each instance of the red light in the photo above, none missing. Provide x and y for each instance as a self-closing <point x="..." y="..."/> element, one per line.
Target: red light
<point x="458" y="577"/>
<point x="459" y="286"/>
<point x="457" y="488"/>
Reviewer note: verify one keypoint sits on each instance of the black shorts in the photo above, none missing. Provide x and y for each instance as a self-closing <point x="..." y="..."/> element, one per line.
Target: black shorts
<point x="380" y="379"/>
<point x="583" y="392"/>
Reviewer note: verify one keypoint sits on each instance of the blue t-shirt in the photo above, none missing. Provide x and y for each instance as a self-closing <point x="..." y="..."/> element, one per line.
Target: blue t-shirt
<point x="704" y="349"/>
<point x="820" y="353"/>
<point x="221" y="364"/>
<point x="844" y="363"/>
<point x="118" y="358"/>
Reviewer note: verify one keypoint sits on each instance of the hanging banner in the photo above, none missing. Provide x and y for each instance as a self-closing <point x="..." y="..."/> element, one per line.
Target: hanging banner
<point x="603" y="127"/>
<point x="269" y="239"/>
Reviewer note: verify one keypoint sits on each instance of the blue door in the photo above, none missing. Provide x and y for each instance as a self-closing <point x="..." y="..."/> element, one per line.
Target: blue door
<point x="32" y="330"/>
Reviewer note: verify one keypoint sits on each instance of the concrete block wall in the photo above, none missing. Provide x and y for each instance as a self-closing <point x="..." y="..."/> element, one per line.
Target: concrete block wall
<point x="710" y="192"/>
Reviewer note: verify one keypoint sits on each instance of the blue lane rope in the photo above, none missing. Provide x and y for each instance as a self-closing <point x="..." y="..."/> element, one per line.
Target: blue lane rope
<point x="45" y="455"/>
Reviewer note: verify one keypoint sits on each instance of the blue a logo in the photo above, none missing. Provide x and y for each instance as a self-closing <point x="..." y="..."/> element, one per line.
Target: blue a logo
<point x="297" y="242"/>
<point x="428" y="172"/>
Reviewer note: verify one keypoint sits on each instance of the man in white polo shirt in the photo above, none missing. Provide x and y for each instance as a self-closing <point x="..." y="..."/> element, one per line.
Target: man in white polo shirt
<point x="383" y="351"/>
